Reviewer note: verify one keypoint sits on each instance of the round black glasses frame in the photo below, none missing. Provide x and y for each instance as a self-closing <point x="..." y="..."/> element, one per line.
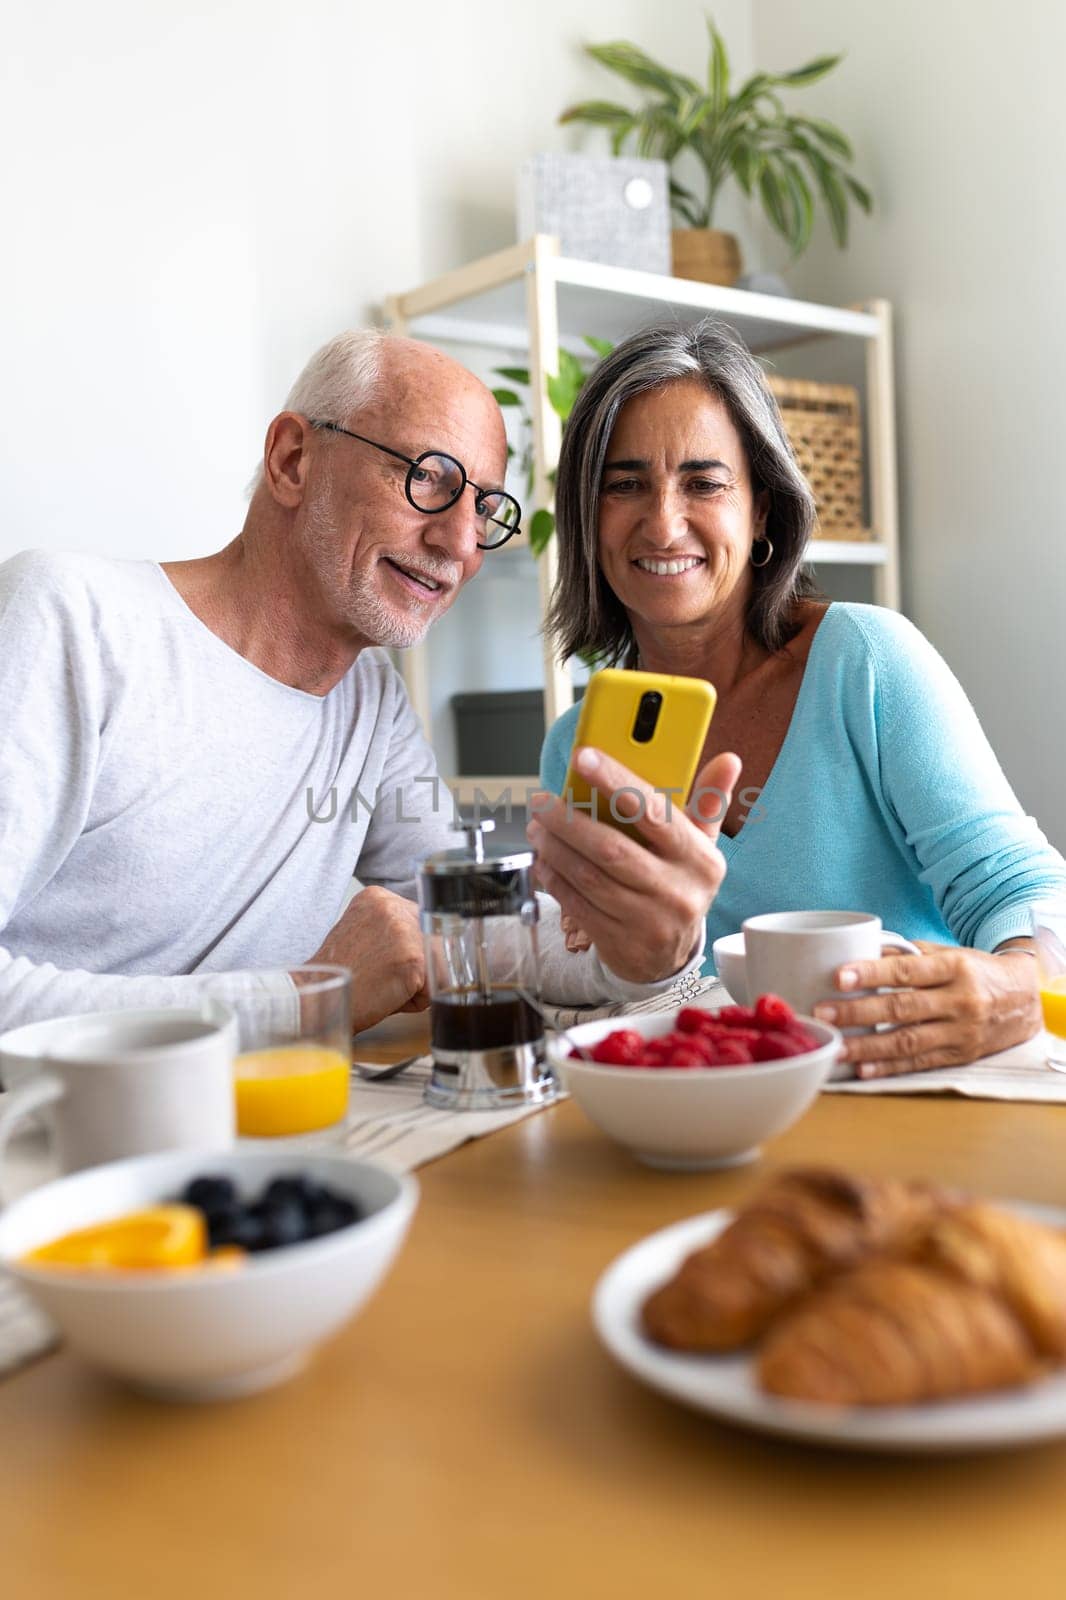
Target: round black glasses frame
<point x="414" y="462"/>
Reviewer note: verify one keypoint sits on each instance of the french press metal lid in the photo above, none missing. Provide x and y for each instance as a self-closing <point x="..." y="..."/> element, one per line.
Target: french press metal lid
<point x="469" y="881"/>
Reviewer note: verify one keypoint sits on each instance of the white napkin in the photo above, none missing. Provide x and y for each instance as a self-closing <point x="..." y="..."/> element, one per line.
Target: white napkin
<point x="1020" y="1073"/>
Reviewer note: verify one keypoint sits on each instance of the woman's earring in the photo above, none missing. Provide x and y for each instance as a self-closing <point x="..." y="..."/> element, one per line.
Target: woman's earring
<point x="768" y="557"/>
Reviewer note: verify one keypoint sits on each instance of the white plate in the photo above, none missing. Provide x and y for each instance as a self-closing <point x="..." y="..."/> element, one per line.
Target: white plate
<point x="725" y="1386"/>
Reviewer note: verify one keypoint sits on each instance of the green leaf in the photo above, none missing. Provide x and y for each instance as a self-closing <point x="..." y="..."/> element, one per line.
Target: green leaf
<point x="810" y="73"/>
<point x="749" y="92"/>
<point x="636" y="67"/>
<point x="571" y="370"/>
<point x="505" y="397"/>
<point x="680" y="193"/>
<point x="563" y="390"/>
<point x="691" y="115"/>
<point x="685" y="205"/>
<point x="602" y="347"/>
<point x="830" y="136"/>
<point x="802" y="203"/>
<point x="833" y="193"/>
<point x="746" y="163"/>
<point x="657" y="133"/>
<point x="602" y="112"/>
<point x="774" y="200"/>
<point x="514" y="374"/>
<point x="717" y="70"/>
<point x="541" y="528"/>
<point x="859" y="191"/>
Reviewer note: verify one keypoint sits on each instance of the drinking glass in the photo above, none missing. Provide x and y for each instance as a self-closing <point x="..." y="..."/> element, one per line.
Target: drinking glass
<point x="1049" y="932"/>
<point x="293" y="1070"/>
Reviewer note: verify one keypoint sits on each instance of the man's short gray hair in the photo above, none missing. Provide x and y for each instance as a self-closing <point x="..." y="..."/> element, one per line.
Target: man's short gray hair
<point x="340" y="378"/>
<point x="585" y="615"/>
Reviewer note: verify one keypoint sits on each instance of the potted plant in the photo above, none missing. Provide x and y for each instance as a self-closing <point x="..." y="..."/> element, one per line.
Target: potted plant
<point x="785" y="161"/>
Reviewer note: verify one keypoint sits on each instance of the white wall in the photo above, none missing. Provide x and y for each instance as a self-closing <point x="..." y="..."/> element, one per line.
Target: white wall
<point x="203" y="191"/>
<point x="957" y="112"/>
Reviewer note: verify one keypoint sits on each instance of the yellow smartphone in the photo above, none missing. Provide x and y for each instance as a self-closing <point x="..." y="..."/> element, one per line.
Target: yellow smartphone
<point x="652" y="723"/>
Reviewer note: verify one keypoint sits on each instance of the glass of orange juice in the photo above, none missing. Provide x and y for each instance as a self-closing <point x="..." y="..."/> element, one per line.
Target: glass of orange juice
<point x="1049" y="932"/>
<point x="293" y="1071"/>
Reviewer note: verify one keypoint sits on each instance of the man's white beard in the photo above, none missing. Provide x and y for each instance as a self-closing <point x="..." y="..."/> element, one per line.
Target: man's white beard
<point x="360" y="601"/>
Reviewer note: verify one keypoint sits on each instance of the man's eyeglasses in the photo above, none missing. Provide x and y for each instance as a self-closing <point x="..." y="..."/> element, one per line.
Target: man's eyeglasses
<point x="435" y="481"/>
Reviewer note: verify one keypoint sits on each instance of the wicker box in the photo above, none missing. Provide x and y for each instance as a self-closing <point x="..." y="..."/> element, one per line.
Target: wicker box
<point x="822" y="423"/>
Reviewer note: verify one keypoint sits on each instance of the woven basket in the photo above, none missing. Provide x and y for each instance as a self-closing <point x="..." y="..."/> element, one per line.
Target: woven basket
<point x="822" y="423"/>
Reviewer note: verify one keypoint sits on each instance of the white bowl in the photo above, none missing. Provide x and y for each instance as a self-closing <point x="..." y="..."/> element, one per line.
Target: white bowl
<point x="208" y="1334"/>
<point x="730" y="963"/>
<point x="692" y="1118"/>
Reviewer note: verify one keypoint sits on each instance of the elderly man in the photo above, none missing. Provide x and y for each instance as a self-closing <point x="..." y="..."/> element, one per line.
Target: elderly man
<point x="168" y="732"/>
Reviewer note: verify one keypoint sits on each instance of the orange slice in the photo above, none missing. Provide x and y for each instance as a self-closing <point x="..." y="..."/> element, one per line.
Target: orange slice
<point x="163" y="1236"/>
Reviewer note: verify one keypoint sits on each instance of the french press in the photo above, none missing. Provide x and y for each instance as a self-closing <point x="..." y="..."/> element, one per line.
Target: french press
<point x="479" y="923"/>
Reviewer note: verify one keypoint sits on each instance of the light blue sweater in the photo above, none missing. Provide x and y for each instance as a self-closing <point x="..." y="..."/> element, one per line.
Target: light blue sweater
<point x="885" y="797"/>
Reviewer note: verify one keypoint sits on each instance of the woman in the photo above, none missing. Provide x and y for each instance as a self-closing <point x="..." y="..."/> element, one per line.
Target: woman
<point x="867" y="781"/>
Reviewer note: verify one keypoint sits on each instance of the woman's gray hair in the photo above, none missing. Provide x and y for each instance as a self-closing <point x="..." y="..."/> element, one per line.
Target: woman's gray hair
<point x="342" y="377"/>
<point x="585" y="616"/>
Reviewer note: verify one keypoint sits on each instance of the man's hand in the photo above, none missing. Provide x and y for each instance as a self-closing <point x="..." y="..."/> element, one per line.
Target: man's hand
<point x="642" y="905"/>
<point x="947" y="1007"/>
<point x="379" y="938"/>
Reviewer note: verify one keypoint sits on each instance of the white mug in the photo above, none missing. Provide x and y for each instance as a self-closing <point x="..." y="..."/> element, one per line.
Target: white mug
<point x="123" y="1083"/>
<point x="796" y="954"/>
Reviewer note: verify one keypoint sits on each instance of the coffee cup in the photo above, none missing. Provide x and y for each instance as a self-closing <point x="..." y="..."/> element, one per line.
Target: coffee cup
<point x="796" y="954"/>
<point x="123" y="1083"/>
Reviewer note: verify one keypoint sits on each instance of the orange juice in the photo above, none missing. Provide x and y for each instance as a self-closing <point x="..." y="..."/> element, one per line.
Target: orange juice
<point x="290" y="1089"/>
<point x="1053" y="1004"/>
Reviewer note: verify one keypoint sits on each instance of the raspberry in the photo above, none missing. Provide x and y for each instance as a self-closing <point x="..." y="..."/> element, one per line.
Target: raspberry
<point x="685" y="1056"/>
<point x="801" y="1036"/>
<point x="732" y="1053"/>
<point x="773" y="1012"/>
<point x="736" y="1016"/>
<point x="622" y="1048"/>
<point x="776" y="1046"/>
<point x="691" y="1020"/>
<point x="746" y="1036"/>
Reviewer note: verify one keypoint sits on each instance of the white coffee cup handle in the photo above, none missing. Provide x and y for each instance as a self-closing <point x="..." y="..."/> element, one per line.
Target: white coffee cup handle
<point x="896" y="941"/>
<point x="43" y="1089"/>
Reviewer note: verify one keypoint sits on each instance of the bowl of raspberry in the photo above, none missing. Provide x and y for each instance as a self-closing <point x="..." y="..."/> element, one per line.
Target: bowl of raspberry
<point x="692" y="1089"/>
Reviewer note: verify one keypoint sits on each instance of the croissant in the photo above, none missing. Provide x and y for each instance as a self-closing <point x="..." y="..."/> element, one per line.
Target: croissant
<point x="977" y="1303"/>
<point x="803" y="1228"/>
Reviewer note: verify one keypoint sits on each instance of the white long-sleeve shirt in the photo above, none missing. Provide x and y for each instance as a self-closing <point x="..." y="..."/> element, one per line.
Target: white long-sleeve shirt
<point x="169" y="812"/>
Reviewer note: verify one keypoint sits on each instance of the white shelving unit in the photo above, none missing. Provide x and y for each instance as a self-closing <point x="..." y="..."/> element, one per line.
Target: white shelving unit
<point x="531" y="299"/>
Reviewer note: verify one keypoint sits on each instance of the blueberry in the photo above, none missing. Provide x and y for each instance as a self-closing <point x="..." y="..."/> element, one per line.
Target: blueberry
<point x="210" y="1193"/>
<point x="283" y="1222"/>
<point x="284" y="1191"/>
<point x="221" y="1221"/>
<point x="332" y="1212"/>
<point x="245" y="1229"/>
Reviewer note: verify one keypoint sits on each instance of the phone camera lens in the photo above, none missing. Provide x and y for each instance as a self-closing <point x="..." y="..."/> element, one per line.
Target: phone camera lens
<point x="647" y="716"/>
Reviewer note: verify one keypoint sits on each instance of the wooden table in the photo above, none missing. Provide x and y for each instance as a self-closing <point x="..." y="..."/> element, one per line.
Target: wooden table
<point x="468" y="1437"/>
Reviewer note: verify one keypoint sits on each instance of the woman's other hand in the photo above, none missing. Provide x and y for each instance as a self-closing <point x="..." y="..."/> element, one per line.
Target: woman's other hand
<point x="641" y="904"/>
<point x="947" y="1007"/>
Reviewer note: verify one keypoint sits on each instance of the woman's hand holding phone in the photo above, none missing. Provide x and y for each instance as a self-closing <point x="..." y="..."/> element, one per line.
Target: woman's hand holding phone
<point x="641" y="903"/>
